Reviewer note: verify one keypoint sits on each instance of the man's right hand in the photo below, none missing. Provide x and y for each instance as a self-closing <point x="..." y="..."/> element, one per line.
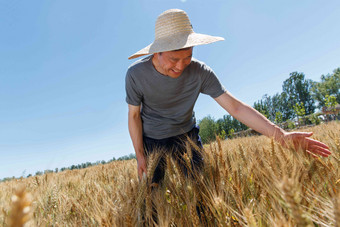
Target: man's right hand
<point x="141" y="166"/>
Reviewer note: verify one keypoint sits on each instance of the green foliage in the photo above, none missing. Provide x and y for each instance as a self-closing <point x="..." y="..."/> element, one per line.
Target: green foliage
<point x="298" y="90"/>
<point x="331" y="102"/>
<point x="222" y="134"/>
<point x="223" y="127"/>
<point x="290" y="124"/>
<point x="279" y="104"/>
<point x="227" y="123"/>
<point x="231" y="133"/>
<point x="127" y="157"/>
<point x="269" y="106"/>
<point x="329" y="85"/>
<point x="79" y="166"/>
<point x="313" y="118"/>
<point x="208" y="129"/>
<point x="262" y="107"/>
<point x="272" y="105"/>
<point x="295" y="100"/>
<point x="7" y="179"/>
<point x="38" y="173"/>
<point x="278" y="117"/>
<point x="299" y="109"/>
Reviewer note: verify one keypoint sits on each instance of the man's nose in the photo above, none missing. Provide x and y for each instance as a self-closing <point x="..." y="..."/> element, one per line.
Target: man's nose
<point x="180" y="65"/>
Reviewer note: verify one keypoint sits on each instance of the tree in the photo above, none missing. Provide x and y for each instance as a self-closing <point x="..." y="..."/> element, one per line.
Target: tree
<point x="38" y="173"/>
<point x="225" y="124"/>
<point x="262" y="107"/>
<point x="298" y="90"/>
<point x="221" y="125"/>
<point x="132" y="156"/>
<point x="270" y="106"/>
<point x="329" y="85"/>
<point x="208" y="129"/>
<point x="238" y="126"/>
<point x="280" y="104"/>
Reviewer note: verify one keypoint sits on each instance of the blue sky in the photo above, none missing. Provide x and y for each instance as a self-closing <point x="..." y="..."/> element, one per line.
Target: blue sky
<point x="63" y="64"/>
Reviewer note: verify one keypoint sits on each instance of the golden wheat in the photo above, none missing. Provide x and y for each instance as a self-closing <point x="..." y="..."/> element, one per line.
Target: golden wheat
<point x="249" y="181"/>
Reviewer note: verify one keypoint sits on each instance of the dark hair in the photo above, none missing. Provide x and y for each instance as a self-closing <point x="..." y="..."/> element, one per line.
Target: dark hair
<point x="187" y="48"/>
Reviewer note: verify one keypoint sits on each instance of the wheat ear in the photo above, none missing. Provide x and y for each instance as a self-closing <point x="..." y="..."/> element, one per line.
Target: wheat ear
<point x="21" y="209"/>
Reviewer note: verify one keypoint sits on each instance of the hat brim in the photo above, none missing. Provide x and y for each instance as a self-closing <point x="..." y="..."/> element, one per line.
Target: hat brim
<point x="176" y="42"/>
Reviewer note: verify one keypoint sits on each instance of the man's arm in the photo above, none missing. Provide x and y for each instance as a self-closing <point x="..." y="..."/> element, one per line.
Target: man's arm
<point x="136" y="134"/>
<point x="253" y="119"/>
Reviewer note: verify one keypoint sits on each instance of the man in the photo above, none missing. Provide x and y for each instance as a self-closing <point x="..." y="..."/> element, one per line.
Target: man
<point x="163" y="88"/>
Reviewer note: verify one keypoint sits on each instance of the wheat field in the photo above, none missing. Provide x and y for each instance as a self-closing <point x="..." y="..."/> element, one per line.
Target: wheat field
<point x="249" y="181"/>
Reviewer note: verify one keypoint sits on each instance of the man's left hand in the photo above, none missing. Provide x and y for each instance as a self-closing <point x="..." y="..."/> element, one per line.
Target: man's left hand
<point x="302" y="140"/>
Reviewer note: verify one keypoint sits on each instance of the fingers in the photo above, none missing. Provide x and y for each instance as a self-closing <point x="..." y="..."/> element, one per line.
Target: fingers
<point x="141" y="167"/>
<point x="300" y="134"/>
<point x="314" y="147"/>
<point x="141" y="173"/>
<point x="317" y="147"/>
<point x="319" y="150"/>
<point x="312" y="142"/>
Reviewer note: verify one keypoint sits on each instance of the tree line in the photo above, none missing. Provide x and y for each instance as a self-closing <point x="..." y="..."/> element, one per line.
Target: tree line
<point x="298" y="102"/>
<point x="78" y="166"/>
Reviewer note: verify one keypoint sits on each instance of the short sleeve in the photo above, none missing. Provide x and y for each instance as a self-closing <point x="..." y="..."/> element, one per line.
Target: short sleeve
<point x="210" y="83"/>
<point x="133" y="94"/>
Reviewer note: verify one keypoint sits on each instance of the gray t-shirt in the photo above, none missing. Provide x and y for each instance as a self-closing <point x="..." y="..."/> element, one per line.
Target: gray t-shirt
<point x="167" y="103"/>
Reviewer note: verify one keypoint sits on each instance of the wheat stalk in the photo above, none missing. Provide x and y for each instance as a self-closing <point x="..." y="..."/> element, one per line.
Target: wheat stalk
<point x="337" y="210"/>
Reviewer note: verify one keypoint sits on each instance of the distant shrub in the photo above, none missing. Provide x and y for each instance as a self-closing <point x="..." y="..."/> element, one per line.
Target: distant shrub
<point x="314" y="119"/>
<point x="290" y="124"/>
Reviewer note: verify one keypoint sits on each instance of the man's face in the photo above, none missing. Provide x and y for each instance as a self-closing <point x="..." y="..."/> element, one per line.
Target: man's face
<point x="172" y="63"/>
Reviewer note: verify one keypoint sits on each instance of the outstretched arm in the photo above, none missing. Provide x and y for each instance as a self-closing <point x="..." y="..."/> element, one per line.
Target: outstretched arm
<point x="253" y="119"/>
<point x="136" y="134"/>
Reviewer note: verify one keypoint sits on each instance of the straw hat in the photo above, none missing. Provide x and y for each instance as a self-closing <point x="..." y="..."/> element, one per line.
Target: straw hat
<point x="174" y="31"/>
